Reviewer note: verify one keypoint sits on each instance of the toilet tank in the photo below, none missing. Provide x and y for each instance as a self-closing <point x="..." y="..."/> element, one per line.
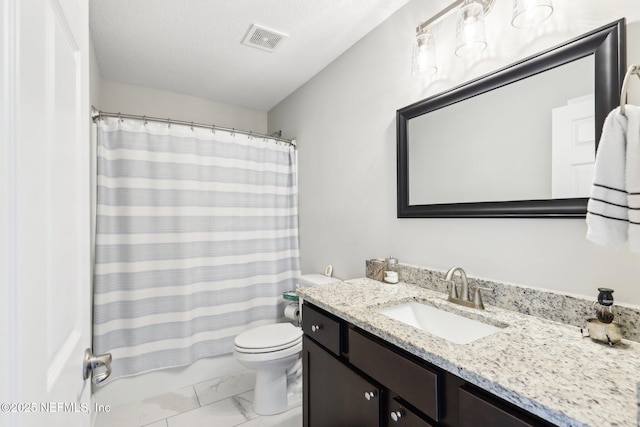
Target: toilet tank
<point x="315" y="279"/>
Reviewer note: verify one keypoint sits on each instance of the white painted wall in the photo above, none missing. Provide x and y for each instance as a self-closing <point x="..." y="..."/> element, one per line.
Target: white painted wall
<point x="130" y="99"/>
<point x="95" y="79"/>
<point x="344" y="120"/>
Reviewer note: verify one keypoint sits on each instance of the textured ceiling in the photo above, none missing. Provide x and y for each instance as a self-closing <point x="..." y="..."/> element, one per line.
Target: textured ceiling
<point x="194" y="46"/>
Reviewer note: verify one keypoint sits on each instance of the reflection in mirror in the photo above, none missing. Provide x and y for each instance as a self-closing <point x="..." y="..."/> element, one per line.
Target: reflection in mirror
<point x="518" y="142"/>
<point x="500" y="146"/>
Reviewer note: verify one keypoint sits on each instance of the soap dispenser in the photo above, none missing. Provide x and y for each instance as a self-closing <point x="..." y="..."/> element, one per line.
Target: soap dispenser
<point x="603" y="328"/>
<point x="603" y="306"/>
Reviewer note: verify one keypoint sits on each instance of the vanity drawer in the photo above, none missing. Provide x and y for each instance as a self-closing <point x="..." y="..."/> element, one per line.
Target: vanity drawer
<point x="414" y="383"/>
<point x="321" y="328"/>
<point x="476" y="409"/>
<point x="401" y="416"/>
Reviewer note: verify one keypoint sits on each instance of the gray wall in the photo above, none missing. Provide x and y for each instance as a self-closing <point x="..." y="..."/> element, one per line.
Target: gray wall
<point x="344" y="120"/>
<point x="131" y="99"/>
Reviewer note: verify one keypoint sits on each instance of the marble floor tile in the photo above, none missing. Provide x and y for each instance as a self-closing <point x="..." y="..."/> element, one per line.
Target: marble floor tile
<point x="291" y="418"/>
<point x="225" y="387"/>
<point x="224" y="413"/>
<point x="244" y="403"/>
<point x="150" y="410"/>
<point x="226" y="402"/>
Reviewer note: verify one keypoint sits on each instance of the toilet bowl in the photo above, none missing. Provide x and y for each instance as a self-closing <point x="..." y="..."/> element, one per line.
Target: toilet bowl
<point x="270" y="350"/>
<point x="273" y="351"/>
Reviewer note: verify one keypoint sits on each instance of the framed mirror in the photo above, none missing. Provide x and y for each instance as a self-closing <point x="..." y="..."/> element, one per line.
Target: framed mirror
<point x="518" y="142"/>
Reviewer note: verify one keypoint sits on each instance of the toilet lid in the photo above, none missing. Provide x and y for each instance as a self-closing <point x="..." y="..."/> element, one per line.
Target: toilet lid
<point x="269" y="337"/>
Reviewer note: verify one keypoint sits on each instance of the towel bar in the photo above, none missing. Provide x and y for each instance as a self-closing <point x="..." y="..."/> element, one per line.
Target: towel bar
<point x="634" y="69"/>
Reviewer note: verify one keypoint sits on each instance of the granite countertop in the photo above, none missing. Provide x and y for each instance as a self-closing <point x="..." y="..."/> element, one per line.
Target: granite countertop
<point x="542" y="366"/>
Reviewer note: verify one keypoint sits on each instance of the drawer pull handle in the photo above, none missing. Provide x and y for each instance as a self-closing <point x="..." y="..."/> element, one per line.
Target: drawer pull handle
<point x="396" y="415"/>
<point x="369" y="395"/>
<point x="315" y="328"/>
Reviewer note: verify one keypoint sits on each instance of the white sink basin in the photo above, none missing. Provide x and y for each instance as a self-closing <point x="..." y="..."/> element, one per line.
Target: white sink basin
<point x="441" y="323"/>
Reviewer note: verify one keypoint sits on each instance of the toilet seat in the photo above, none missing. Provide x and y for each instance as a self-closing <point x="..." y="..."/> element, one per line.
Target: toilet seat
<point x="270" y="356"/>
<point x="268" y="339"/>
<point x="274" y="349"/>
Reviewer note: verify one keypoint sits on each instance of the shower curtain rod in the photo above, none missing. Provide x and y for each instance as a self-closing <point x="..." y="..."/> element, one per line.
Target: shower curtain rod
<point x="96" y="115"/>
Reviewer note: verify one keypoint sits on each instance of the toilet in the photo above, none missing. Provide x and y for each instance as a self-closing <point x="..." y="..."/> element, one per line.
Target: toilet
<point x="273" y="351"/>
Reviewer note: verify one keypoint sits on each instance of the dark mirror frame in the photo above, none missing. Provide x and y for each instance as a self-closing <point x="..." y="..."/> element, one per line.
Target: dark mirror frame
<point x="608" y="44"/>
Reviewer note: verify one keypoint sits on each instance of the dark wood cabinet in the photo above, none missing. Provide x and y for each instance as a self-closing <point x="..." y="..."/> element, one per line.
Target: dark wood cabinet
<point x="334" y="395"/>
<point x="352" y="379"/>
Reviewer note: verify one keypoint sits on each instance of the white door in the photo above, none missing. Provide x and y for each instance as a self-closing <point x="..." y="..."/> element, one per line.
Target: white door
<point x="44" y="213"/>
<point x="574" y="149"/>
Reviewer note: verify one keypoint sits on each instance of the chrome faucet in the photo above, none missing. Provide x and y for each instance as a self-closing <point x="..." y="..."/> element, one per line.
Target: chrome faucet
<point x="464" y="291"/>
<point x="463" y="299"/>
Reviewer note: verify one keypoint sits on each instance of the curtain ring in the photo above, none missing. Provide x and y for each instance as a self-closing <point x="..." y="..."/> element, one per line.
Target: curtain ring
<point x="120" y="117"/>
<point x="168" y="123"/>
<point x="213" y="129"/>
<point x="145" y="120"/>
<point x="191" y="126"/>
<point x="250" y="136"/>
<point x="233" y="131"/>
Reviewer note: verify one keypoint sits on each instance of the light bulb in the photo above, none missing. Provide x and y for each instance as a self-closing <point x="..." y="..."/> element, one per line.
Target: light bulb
<point x="471" y="36"/>
<point x="424" y="54"/>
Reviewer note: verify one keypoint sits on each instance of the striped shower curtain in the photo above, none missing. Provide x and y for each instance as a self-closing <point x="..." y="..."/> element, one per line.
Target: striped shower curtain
<point x="196" y="239"/>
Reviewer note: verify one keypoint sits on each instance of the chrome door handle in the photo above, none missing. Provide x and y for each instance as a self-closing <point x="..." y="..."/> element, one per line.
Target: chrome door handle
<point x="91" y="362"/>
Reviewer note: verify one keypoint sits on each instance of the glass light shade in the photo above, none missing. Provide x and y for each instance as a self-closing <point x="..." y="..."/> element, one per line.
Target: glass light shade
<point x="529" y="13"/>
<point x="471" y="36"/>
<point x="424" y="54"/>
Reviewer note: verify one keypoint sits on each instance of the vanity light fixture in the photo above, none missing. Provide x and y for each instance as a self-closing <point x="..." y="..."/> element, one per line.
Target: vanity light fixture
<point x="470" y="30"/>
<point x="529" y="13"/>
<point x="470" y="33"/>
<point x="424" y="54"/>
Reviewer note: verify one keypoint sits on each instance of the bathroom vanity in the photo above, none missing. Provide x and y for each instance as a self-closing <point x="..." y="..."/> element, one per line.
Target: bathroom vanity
<point x="364" y="368"/>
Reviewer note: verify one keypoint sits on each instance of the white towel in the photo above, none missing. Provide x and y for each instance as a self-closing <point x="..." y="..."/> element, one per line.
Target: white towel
<point x="633" y="175"/>
<point x="613" y="211"/>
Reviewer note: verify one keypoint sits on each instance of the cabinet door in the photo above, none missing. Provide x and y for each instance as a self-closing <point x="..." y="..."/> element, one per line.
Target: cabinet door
<point x="334" y="395"/>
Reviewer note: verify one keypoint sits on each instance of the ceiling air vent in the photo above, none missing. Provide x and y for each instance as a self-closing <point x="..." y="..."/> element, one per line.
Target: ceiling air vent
<point x="263" y="38"/>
